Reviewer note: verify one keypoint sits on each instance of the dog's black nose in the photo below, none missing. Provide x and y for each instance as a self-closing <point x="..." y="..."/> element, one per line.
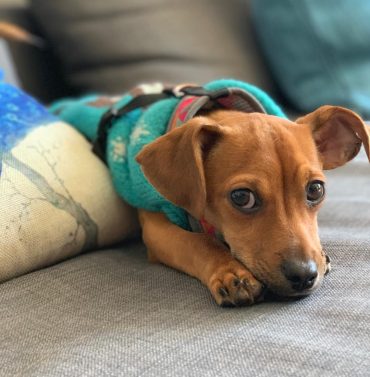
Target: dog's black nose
<point x="301" y="274"/>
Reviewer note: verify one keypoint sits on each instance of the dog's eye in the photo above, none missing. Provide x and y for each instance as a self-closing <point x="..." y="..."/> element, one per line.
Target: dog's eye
<point x="244" y="199"/>
<point x="315" y="191"/>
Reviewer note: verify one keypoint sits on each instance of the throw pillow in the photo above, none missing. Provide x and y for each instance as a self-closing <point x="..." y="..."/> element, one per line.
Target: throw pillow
<point x="318" y="50"/>
<point x="56" y="196"/>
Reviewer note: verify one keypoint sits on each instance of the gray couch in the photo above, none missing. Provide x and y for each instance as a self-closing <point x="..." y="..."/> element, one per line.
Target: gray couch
<point x="111" y="313"/>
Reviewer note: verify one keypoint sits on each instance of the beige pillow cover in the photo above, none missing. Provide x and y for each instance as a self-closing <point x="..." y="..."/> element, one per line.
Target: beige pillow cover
<point x="56" y="200"/>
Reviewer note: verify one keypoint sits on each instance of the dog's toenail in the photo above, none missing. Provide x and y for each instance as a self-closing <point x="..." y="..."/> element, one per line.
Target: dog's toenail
<point x="223" y="292"/>
<point x="245" y="283"/>
<point x="327" y="266"/>
<point x="237" y="282"/>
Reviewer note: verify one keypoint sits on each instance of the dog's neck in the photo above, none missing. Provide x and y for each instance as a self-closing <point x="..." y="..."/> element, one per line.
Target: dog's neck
<point x="203" y="226"/>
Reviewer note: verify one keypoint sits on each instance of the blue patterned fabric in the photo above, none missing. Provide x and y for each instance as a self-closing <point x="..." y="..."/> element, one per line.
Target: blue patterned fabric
<point x="19" y="114"/>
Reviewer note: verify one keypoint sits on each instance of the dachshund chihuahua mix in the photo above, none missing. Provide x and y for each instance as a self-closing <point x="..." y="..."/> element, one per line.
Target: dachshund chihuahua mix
<point x="256" y="178"/>
<point x="259" y="180"/>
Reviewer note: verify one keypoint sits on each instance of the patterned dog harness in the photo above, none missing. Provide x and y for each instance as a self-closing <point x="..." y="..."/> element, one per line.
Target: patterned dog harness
<point x="120" y="127"/>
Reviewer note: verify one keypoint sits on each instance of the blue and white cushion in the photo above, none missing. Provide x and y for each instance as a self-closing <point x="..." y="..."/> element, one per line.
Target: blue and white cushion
<point x="56" y="196"/>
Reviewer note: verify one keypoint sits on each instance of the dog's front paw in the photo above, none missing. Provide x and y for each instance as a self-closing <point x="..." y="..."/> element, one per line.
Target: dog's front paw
<point x="234" y="285"/>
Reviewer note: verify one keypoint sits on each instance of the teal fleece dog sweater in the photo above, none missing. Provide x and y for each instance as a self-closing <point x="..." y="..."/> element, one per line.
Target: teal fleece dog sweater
<point x="129" y="133"/>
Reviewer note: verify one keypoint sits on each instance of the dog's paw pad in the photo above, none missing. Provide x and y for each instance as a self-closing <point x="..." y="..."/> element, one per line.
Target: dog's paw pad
<point x="233" y="285"/>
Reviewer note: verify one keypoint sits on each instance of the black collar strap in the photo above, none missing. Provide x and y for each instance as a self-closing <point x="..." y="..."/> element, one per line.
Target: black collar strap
<point x="106" y="121"/>
<point x="233" y="98"/>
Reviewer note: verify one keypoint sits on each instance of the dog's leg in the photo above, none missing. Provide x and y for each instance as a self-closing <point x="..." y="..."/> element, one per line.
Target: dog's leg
<point x="201" y="256"/>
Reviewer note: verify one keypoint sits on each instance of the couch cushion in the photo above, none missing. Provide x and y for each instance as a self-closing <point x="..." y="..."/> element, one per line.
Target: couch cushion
<point x="113" y="45"/>
<point x="318" y="51"/>
<point x="56" y="197"/>
<point x="111" y="313"/>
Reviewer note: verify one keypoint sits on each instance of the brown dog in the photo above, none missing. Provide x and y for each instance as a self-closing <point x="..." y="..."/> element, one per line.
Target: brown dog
<point x="259" y="180"/>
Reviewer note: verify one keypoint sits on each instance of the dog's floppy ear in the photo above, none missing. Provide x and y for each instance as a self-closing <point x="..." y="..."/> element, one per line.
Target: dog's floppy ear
<point x="338" y="134"/>
<point x="174" y="163"/>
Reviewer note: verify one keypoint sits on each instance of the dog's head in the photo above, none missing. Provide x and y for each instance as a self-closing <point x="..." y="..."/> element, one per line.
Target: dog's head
<point x="259" y="180"/>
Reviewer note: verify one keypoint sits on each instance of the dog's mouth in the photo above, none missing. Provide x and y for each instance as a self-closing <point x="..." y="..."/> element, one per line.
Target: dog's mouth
<point x="270" y="295"/>
<point x="281" y="291"/>
<point x="271" y="292"/>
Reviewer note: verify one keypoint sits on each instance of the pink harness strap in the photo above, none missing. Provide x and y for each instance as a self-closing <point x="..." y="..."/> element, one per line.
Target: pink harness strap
<point x="207" y="227"/>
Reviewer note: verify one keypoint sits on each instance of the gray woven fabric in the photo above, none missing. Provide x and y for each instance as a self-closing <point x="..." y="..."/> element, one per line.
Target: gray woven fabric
<point x="112" y="45"/>
<point x="110" y="313"/>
